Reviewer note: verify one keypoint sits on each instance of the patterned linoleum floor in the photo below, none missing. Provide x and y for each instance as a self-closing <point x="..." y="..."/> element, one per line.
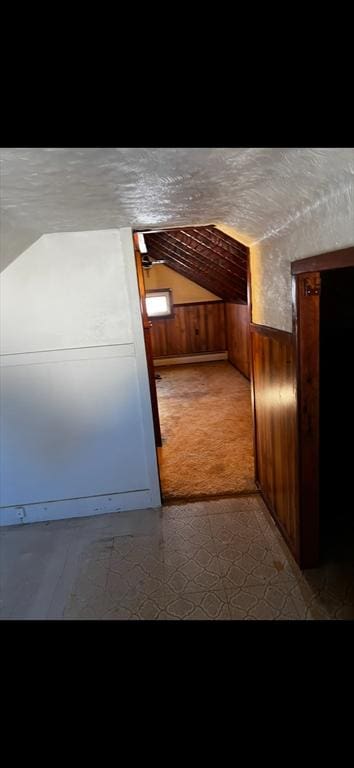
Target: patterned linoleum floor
<point x="217" y="560"/>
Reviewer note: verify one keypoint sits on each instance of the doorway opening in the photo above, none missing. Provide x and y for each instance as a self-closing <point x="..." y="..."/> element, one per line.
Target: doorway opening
<point x="336" y="413"/>
<point x="195" y="299"/>
<point x="324" y="330"/>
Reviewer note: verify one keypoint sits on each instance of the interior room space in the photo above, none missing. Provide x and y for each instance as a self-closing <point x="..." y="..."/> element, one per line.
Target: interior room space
<point x="200" y="351"/>
<point x="176" y="409"/>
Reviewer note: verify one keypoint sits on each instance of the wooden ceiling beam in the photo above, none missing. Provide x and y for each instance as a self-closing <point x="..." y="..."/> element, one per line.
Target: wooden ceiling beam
<point x="230" y="244"/>
<point x="206" y="262"/>
<point x="189" y="259"/>
<point x="225" y="290"/>
<point x="234" y="264"/>
<point x="234" y="247"/>
<point x="209" y="282"/>
<point x="237" y="262"/>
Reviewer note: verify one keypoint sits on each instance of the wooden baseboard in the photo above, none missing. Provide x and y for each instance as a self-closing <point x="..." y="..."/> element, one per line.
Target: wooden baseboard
<point x="81" y="507"/>
<point x="197" y="358"/>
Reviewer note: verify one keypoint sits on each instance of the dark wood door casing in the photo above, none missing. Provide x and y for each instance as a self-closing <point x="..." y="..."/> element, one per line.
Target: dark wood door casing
<point x="149" y="353"/>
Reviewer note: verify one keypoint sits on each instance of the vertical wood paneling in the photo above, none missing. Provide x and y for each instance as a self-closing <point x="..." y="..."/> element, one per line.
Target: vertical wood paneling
<point x="274" y="382"/>
<point x="238" y="336"/>
<point x="197" y="327"/>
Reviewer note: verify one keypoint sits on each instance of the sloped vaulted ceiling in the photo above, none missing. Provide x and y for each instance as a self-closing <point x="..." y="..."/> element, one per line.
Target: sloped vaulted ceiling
<point x="205" y="255"/>
<point x="258" y="192"/>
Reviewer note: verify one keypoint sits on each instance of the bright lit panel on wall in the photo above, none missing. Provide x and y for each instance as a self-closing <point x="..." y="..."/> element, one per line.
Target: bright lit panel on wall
<point x="158" y="304"/>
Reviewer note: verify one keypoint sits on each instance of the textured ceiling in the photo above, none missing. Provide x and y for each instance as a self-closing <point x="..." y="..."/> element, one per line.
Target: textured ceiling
<point x="256" y="191"/>
<point x="205" y="255"/>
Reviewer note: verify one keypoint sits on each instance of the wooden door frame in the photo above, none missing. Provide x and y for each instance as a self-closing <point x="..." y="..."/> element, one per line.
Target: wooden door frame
<point x="149" y="357"/>
<point x="306" y="290"/>
<point x="251" y="370"/>
<point x="148" y="347"/>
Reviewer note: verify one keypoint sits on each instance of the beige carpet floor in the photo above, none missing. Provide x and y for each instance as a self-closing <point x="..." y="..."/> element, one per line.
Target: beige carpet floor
<point x="206" y="426"/>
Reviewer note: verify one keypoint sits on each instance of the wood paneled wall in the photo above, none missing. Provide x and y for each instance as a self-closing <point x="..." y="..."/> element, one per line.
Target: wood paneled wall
<point x="197" y="327"/>
<point x="274" y="395"/>
<point x="238" y="336"/>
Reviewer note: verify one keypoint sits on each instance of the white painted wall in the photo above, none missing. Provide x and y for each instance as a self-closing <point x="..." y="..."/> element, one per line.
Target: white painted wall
<point x="76" y="425"/>
<point x="325" y="226"/>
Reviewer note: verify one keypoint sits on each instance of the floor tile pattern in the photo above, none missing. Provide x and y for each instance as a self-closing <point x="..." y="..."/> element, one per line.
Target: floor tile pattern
<point x="217" y="560"/>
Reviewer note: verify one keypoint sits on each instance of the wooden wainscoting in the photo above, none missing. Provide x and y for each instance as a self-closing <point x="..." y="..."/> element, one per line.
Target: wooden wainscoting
<point x="238" y="336"/>
<point x="197" y="327"/>
<point x="274" y="395"/>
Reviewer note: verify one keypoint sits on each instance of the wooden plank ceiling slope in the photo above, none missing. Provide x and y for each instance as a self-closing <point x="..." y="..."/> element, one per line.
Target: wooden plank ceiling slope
<point x="207" y="256"/>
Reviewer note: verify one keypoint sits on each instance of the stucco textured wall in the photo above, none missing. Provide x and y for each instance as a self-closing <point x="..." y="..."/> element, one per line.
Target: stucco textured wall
<point x="325" y="226"/>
